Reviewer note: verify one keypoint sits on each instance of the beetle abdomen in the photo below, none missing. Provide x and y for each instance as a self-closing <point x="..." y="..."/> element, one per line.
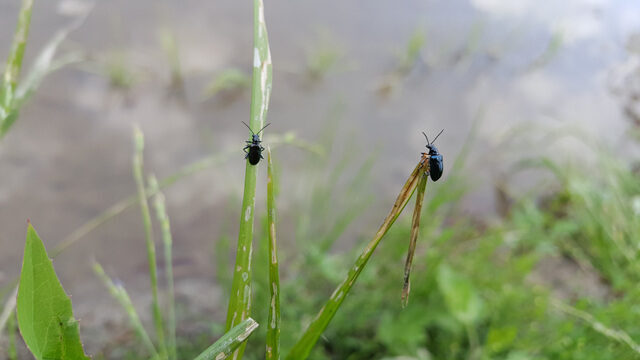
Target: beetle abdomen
<point x="435" y="167"/>
<point x="254" y="155"/>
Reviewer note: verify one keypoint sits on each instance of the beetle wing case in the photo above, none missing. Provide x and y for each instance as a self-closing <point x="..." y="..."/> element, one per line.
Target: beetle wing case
<point x="435" y="167"/>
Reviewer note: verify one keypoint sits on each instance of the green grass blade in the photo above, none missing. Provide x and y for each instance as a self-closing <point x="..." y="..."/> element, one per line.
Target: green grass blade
<point x="229" y="342"/>
<point x="169" y="44"/>
<point x="415" y="227"/>
<point x="8" y="308"/>
<point x="151" y="247"/>
<point x="45" y="316"/>
<point x="122" y="297"/>
<point x="613" y="334"/>
<point x="12" y="351"/>
<point x="273" y="323"/>
<point x="13" y="67"/>
<point x="308" y="340"/>
<point x="14" y="63"/>
<point x="43" y="65"/>
<point x="167" y="241"/>
<point x="240" y="300"/>
<point x="45" y="62"/>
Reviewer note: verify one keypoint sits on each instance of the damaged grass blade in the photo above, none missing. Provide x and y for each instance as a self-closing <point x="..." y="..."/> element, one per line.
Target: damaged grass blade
<point x="240" y="299"/>
<point x="308" y="340"/>
<point x="415" y="227"/>
<point x="273" y="323"/>
<point x="229" y="342"/>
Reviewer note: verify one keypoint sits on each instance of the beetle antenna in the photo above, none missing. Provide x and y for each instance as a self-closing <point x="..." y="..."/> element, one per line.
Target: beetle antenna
<point x="245" y="124"/>
<point x="263" y="128"/>
<point x="426" y="137"/>
<point x="434" y="140"/>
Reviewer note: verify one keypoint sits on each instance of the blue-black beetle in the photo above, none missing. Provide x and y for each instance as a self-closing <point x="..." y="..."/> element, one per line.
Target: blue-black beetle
<point x="435" y="158"/>
<point x="253" y="148"/>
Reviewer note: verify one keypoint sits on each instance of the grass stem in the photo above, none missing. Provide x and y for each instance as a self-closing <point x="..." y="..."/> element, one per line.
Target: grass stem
<point x="122" y="297"/>
<point x="273" y="322"/>
<point x="230" y="341"/>
<point x="151" y="249"/>
<point x="311" y="335"/>
<point x="167" y="241"/>
<point x="240" y="296"/>
<point x="415" y="227"/>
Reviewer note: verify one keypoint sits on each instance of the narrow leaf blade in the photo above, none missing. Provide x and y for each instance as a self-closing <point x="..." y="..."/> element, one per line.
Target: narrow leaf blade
<point x="229" y="342"/>
<point x="240" y="300"/>
<point x="303" y="347"/>
<point x="273" y="323"/>
<point x="415" y="227"/>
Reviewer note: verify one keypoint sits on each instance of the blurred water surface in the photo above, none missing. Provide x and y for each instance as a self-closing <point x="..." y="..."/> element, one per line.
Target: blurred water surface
<point x="538" y="65"/>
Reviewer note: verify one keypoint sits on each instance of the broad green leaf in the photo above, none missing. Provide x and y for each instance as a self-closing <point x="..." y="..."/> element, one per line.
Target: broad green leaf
<point x="45" y="317"/>
<point x="459" y="295"/>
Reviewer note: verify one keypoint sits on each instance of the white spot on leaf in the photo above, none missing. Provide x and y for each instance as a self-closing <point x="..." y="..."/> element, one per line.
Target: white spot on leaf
<point x="247" y="213"/>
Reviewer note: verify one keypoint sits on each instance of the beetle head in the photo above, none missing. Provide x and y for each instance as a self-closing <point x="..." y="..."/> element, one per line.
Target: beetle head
<point x="432" y="149"/>
<point x="254" y="136"/>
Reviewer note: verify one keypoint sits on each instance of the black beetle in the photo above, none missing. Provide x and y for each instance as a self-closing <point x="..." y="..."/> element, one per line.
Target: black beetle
<point x="254" y="154"/>
<point x="435" y="158"/>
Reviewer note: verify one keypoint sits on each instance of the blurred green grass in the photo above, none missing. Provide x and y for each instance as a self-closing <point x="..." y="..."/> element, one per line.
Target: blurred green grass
<point x="480" y="290"/>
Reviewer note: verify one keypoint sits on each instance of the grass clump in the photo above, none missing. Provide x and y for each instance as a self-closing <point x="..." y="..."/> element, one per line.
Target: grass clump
<point x="15" y="93"/>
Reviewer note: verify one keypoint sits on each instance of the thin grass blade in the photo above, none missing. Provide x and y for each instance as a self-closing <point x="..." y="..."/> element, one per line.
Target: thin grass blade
<point x="151" y="247"/>
<point x="415" y="227"/>
<point x="308" y="340"/>
<point x="14" y="63"/>
<point x="8" y="308"/>
<point x="167" y="241"/>
<point x="12" y="329"/>
<point x="13" y="67"/>
<point x="613" y="334"/>
<point x="273" y="324"/>
<point x="122" y="297"/>
<point x="230" y="341"/>
<point x="240" y="300"/>
<point x="45" y="62"/>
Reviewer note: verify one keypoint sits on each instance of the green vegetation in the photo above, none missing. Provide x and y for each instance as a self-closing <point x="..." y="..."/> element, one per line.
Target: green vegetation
<point x="231" y="80"/>
<point x="14" y="92"/>
<point x="323" y="57"/>
<point x="44" y="310"/>
<point x="479" y="289"/>
<point x="158" y="320"/>
<point x="240" y="295"/>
